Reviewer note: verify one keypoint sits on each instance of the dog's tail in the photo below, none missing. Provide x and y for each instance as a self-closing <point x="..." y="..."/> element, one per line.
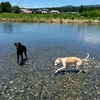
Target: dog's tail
<point x="86" y="57"/>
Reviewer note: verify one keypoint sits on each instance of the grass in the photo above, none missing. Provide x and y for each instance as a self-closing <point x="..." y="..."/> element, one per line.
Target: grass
<point x="20" y="17"/>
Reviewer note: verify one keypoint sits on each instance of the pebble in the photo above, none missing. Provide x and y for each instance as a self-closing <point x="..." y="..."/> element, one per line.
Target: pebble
<point x="29" y="83"/>
<point x="11" y="82"/>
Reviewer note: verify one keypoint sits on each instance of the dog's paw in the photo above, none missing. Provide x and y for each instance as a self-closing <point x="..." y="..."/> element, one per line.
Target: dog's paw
<point x="85" y="71"/>
<point x="17" y="64"/>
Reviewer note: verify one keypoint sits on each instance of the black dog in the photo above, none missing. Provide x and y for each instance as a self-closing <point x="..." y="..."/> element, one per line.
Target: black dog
<point x="20" y="50"/>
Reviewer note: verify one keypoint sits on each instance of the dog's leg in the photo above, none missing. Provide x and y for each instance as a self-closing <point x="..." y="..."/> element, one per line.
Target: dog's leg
<point x="84" y="69"/>
<point x="78" y="64"/>
<point x="77" y="67"/>
<point x="60" y="69"/>
<point x="17" y="59"/>
<point x="22" y="57"/>
<point x="78" y="70"/>
<point x="26" y="55"/>
<point x="22" y="61"/>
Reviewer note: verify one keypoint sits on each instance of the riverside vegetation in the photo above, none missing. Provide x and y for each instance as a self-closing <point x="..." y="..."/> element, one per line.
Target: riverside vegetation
<point x="49" y="18"/>
<point x="89" y="13"/>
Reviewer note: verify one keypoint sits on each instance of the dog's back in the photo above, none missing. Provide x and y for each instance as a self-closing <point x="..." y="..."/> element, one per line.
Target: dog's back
<point x="72" y="60"/>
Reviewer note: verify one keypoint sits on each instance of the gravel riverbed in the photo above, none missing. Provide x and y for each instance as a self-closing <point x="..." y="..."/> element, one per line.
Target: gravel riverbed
<point x="36" y="80"/>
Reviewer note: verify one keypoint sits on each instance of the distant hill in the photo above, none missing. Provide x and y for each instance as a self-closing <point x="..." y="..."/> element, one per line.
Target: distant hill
<point x="83" y="5"/>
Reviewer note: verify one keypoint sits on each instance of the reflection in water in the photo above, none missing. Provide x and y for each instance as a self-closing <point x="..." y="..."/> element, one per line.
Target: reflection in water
<point x="80" y="37"/>
<point x="90" y="38"/>
<point x="8" y="28"/>
<point x="89" y="34"/>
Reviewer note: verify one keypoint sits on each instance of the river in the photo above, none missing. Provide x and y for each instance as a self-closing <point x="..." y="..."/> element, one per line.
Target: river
<point x="45" y="42"/>
<point x="83" y="38"/>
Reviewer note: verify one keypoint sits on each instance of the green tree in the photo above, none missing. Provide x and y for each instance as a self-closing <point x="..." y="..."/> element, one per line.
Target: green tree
<point x="6" y="7"/>
<point x="15" y="9"/>
<point x="81" y="9"/>
<point x="85" y="14"/>
<point x="0" y="8"/>
<point x="95" y="13"/>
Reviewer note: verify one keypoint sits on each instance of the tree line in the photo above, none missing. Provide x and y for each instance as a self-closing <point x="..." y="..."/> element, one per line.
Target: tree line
<point x="86" y="11"/>
<point x="7" y="7"/>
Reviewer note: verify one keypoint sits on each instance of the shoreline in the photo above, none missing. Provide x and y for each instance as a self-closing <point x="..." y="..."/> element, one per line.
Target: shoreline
<point x="57" y="20"/>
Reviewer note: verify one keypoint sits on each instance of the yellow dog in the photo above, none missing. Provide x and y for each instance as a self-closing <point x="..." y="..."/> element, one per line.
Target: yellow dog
<point x="69" y="60"/>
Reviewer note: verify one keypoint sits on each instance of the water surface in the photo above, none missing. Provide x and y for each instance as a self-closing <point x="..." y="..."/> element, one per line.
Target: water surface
<point x="79" y="37"/>
<point x="46" y="42"/>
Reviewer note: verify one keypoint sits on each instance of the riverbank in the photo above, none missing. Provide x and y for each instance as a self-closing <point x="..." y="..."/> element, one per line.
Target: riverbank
<point x="42" y="20"/>
<point x="46" y="18"/>
<point x="36" y="79"/>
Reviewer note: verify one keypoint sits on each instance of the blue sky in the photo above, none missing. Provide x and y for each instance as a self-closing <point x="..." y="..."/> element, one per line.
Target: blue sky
<point x="50" y="3"/>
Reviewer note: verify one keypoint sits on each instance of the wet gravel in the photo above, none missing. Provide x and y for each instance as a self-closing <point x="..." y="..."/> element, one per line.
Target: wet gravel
<point x="36" y="79"/>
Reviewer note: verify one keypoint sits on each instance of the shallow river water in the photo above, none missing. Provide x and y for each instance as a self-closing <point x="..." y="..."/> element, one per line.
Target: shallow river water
<point x="36" y="80"/>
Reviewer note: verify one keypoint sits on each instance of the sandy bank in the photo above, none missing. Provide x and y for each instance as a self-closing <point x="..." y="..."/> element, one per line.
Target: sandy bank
<point x="42" y="20"/>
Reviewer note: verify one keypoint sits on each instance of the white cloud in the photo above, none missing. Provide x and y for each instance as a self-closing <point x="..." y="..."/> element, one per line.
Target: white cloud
<point x="14" y="4"/>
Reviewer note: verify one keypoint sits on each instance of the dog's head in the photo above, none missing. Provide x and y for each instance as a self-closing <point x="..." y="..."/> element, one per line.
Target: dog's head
<point x="18" y="45"/>
<point x="57" y="61"/>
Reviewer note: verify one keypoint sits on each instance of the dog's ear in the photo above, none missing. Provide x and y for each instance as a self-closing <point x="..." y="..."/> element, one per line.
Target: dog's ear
<point x="19" y="44"/>
<point x="15" y="44"/>
<point x="59" y="58"/>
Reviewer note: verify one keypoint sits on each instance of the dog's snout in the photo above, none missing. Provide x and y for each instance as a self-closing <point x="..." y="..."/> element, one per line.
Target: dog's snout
<point x="17" y="47"/>
<point x="56" y="63"/>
